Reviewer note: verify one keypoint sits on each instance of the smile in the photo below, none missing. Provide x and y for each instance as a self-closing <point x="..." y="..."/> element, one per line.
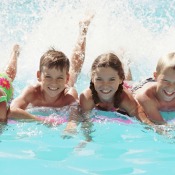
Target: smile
<point x="52" y="89"/>
<point x="169" y="93"/>
<point x="105" y="91"/>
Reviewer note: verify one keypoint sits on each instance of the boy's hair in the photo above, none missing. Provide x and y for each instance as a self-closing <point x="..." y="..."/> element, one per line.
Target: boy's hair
<point x="54" y="59"/>
<point x="167" y="61"/>
<point x="108" y="60"/>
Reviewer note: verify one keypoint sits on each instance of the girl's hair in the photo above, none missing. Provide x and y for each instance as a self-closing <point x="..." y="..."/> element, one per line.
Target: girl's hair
<point x="54" y="59"/>
<point x="167" y="61"/>
<point x="108" y="60"/>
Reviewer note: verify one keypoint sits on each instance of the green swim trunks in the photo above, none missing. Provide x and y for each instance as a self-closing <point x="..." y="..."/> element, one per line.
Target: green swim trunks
<point x="6" y="86"/>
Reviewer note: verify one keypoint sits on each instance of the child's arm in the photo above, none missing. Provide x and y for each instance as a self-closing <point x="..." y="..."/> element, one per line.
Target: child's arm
<point x="3" y="107"/>
<point x="11" y="68"/>
<point x="78" y="56"/>
<point x="18" y="106"/>
<point x="74" y="111"/>
<point x="151" y="110"/>
<point x="86" y="105"/>
<point x="74" y="116"/>
<point x="130" y="105"/>
<point x="74" y="119"/>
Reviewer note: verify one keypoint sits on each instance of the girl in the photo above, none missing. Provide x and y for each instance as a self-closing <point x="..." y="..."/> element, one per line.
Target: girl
<point x="6" y="78"/>
<point x="106" y="91"/>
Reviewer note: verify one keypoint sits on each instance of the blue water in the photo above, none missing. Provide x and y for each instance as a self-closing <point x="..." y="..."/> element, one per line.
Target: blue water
<point x="144" y="28"/>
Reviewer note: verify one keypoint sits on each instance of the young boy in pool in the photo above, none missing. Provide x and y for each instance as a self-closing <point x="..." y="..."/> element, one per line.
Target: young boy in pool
<point x="158" y="94"/>
<point x="55" y="81"/>
<point x="6" y="79"/>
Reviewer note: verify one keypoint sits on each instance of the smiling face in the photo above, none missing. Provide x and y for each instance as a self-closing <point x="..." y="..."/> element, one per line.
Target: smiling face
<point x="106" y="82"/>
<point x="166" y="85"/>
<point x="53" y="81"/>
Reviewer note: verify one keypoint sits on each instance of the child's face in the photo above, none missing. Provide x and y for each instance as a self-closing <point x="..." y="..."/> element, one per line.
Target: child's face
<point x="166" y="85"/>
<point x="53" y="81"/>
<point x="106" y="82"/>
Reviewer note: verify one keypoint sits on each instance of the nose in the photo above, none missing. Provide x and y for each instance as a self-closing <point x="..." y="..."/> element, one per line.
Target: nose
<point x="171" y="87"/>
<point x="105" y="83"/>
<point x="54" y="81"/>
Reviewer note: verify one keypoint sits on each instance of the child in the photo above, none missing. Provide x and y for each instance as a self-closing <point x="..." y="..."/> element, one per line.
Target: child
<point x="158" y="94"/>
<point x="6" y="79"/>
<point x="55" y="86"/>
<point x="106" y="91"/>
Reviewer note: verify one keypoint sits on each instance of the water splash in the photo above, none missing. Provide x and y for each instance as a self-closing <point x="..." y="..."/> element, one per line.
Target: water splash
<point x="144" y="29"/>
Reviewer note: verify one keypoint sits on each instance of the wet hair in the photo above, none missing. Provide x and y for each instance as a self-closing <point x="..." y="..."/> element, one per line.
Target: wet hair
<point x="108" y="60"/>
<point x="167" y="61"/>
<point x="54" y="59"/>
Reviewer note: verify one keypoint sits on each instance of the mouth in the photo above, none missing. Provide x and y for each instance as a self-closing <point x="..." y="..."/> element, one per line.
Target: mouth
<point x="53" y="89"/>
<point x="169" y="93"/>
<point x="105" y="91"/>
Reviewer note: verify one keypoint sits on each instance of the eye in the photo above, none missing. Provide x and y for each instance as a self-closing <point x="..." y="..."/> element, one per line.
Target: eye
<point x="60" y="78"/>
<point x="98" y="79"/>
<point x="112" y="79"/>
<point x="167" y="82"/>
<point x="164" y="80"/>
<point x="47" y="76"/>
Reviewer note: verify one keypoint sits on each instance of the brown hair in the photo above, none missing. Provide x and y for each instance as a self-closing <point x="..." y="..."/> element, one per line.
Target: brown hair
<point x="54" y="59"/>
<point x="108" y="60"/>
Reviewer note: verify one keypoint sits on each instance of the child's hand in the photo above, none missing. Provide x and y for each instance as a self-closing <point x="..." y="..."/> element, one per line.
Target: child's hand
<point x="84" y="24"/>
<point x="69" y="133"/>
<point x="51" y="120"/>
<point x="70" y="130"/>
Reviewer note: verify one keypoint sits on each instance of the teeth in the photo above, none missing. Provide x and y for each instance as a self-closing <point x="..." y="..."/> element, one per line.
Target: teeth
<point x="169" y="93"/>
<point x="53" y="89"/>
<point x="105" y="91"/>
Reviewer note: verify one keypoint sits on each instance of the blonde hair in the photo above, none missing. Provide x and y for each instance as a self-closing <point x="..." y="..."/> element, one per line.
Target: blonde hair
<point x="167" y="61"/>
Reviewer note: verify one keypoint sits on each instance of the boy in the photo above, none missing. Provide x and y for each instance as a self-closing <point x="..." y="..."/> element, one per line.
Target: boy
<point x="55" y="86"/>
<point x="158" y="94"/>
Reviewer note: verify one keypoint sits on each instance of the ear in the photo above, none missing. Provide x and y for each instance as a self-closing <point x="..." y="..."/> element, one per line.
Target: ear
<point x="155" y="75"/>
<point x="38" y="75"/>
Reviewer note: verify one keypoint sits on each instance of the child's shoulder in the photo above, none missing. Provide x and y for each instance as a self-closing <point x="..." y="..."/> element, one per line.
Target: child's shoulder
<point x="86" y="94"/>
<point x="32" y="89"/>
<point x="148" y="88"/>
<point x="70" y="90"/>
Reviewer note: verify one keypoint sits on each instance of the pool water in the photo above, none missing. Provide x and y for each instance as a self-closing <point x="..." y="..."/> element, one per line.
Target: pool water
<point x="117" y="148"/>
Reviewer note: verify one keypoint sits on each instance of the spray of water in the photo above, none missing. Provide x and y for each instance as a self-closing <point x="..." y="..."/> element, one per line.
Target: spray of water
<point x="144" y="30"/>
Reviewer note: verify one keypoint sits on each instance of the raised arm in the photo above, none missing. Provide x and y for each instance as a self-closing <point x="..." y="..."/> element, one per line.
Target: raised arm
<point x="78" y="55"/>
<point x="11" y="68"/>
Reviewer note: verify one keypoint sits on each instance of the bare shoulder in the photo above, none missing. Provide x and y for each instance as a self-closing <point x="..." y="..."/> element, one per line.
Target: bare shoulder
<point x="148" y="91"/>
<point x="127" y="97"/>
<point x="86" y="94"/>
<point x="32" y="90"/>
<point x="28" y="94"/>
<point x="69" y="96"/>
<point x="86" y="100"/>
<point x="71" y="91"/>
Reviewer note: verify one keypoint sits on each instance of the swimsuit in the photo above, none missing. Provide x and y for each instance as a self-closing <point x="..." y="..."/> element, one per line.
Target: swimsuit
<point x="6" y="87"/>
